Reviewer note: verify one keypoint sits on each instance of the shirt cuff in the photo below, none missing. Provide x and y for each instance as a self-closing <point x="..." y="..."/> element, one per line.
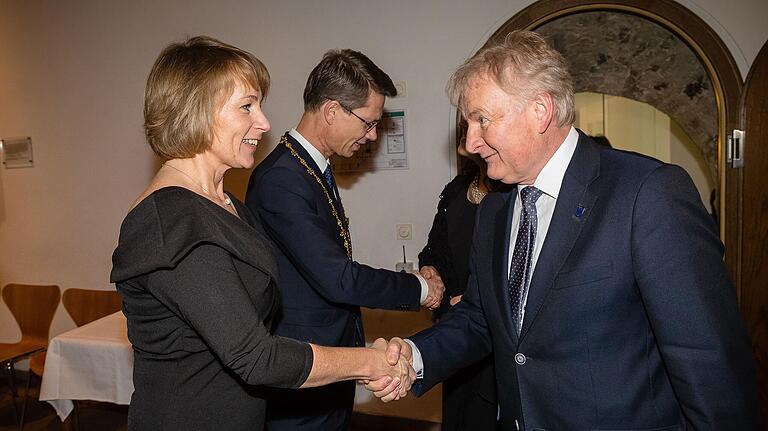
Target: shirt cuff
<point x="418" y="363"/>
<point x="424" y="287"/>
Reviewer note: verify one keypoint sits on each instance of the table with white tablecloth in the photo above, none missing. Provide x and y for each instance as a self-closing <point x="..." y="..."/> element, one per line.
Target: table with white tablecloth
<point x="92" y="362"/>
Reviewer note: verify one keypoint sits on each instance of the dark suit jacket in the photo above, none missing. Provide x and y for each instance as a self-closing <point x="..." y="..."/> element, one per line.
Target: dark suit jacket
<point x="322" y="288"/>
<point x="631" y="320"/>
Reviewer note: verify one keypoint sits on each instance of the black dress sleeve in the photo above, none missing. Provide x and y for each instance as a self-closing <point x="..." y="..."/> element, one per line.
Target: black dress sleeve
<point x="438" y="252"/>
<point x="205" y="290"/>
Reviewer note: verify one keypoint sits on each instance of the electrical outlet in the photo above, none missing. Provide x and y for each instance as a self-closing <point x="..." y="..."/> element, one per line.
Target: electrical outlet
<point x="404" y="266"/>
<point x="403" y="231"/>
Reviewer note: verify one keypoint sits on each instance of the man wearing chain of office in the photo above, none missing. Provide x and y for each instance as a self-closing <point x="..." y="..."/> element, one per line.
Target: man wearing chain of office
<point x="295" y="195"/>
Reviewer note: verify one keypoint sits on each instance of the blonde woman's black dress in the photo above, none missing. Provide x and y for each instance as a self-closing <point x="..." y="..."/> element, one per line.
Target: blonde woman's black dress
<point x="199" y="289"/>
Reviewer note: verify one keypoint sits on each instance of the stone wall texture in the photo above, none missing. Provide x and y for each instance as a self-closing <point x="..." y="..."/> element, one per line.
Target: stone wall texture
<point x="627" y="55"/>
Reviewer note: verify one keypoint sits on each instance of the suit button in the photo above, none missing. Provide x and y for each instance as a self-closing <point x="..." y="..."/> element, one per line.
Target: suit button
<point x="520" y="358"/>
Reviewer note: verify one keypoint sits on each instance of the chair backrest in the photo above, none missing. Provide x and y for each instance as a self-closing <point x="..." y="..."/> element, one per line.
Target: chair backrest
<point x="88" y="305"/>
<point x="33" y="308"/>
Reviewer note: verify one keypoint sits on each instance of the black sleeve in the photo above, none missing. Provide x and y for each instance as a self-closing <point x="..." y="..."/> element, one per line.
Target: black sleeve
<point x="437" y="252"/>
<point x="205" y="290"/>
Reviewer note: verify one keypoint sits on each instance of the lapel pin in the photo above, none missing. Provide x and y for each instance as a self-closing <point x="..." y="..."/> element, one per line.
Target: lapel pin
<point x="580" y="210"/>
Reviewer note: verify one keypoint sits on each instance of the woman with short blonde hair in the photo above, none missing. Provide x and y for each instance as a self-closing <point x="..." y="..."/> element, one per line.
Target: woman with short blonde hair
<point x="196" y="274"/>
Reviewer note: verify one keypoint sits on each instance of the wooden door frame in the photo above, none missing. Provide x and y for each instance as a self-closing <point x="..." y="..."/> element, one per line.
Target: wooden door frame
<point x="723" y="73"/>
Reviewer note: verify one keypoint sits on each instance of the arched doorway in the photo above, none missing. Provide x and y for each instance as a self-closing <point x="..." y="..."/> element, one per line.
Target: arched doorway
<point x="741" y="193"/>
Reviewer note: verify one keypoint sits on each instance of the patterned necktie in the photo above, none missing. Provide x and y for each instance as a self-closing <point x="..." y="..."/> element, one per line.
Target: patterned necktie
<point x="328" y="175"/>
<point x="522" y="255"/>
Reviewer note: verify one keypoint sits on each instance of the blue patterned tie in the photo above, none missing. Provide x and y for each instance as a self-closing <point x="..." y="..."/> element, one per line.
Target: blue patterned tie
<point x="522" y="255"/>
<point x="328" y="175"/>
<point x="329" y="179"/>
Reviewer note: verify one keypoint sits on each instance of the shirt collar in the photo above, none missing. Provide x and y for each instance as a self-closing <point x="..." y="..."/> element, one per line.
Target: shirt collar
<point x="316" y="155"/>
<point x="551" y="176"/>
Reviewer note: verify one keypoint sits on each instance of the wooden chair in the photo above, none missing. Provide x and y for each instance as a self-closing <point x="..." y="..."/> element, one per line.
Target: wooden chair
<point x="85" y="306"/>
<point x="33" y="308"/>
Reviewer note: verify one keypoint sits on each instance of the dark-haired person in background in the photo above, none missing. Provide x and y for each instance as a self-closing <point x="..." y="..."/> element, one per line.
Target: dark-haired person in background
<point x="297" y="200"/>
<point x="469" y="396"/>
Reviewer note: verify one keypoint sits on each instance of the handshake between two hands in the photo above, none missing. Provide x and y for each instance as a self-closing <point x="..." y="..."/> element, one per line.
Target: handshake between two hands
<point x="435" y="286"/>
<point x="393" y="374"/>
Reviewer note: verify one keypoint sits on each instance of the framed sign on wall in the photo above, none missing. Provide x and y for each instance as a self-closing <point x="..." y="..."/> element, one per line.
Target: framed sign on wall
<point x="17" y="152"/>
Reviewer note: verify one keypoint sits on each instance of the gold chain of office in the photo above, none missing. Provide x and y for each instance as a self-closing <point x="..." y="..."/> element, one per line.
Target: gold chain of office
<point x="343" y="231"/>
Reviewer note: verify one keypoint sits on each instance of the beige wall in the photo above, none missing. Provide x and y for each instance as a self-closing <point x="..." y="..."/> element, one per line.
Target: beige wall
<point x="71" y="77"/>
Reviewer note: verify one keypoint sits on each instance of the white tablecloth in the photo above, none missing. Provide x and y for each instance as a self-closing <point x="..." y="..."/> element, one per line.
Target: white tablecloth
<point x="92" y="362"/>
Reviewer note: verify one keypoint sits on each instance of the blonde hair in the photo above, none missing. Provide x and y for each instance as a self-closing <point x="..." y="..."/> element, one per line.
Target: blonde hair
<point x="187" y="84"/>
<point x="523" y="65"/>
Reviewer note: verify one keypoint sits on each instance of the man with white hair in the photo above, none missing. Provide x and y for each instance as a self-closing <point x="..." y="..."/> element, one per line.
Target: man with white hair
<point x="597" y="282"/>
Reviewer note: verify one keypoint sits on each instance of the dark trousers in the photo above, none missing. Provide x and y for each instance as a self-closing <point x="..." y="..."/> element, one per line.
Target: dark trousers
<point x="469" y="399"/>
<point x="327" y="408"/>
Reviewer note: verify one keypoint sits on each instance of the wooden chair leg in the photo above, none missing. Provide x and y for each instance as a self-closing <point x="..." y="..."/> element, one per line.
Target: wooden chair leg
<point x="11" y="373"/>
<point x="26" y="397"/>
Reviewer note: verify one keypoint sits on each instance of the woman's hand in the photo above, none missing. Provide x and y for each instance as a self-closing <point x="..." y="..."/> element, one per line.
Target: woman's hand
<point x="429" y="271"/>
<point x="455" y="300"/>
<point x="435" y="285"/>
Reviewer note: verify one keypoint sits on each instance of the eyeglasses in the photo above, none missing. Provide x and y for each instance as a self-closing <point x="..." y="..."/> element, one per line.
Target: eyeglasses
<point x="369" y="125"/>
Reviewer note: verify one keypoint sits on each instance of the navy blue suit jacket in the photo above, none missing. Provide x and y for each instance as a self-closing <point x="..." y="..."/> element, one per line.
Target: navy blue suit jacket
<point x="322" y="288"/>
<point x="631" y="320"/>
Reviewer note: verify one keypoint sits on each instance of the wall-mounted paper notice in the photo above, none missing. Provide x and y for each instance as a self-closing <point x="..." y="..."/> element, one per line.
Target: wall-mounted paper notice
<point x="17" y="152"/>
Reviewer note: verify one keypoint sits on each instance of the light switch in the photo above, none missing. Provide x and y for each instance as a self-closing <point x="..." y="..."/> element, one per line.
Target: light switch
<point x="403" y="231"/>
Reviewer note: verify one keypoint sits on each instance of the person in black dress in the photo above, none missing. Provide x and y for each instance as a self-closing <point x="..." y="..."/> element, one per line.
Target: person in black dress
<point x="469" y="397"/>
<point x="196" y="274"/>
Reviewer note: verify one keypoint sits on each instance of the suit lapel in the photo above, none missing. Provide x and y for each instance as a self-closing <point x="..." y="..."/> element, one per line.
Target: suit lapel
<point x="572" y="209"/>
<point x="322" y="187"/>
<point x="332" y="192"/>
<point x="501" y="230"/>
<point x="337" y="198"/>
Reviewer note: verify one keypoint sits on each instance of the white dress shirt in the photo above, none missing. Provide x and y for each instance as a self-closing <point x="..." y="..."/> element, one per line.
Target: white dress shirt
<point x="548" y="181"/>
<point x="322" y="163"/>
